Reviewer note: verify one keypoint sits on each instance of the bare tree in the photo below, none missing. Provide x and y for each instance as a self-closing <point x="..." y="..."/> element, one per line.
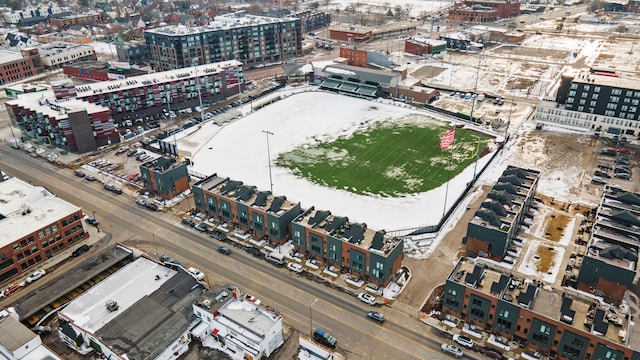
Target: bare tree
<point x="407" y="8"/>
<point x="397" y="12"/>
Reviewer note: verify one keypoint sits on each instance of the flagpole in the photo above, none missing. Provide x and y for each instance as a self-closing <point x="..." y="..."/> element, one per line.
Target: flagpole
<point x="445" y="146"/>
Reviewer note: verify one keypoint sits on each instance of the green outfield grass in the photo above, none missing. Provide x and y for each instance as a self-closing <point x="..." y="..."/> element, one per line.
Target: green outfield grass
<point x="388" y="159"/>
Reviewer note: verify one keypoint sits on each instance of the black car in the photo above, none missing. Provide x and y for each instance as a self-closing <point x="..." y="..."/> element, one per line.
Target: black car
<point x="151" y="206"/>
<point x="622" y="161"/>
<point x="602" y="174"/>
<point x="622" y="169"/>
<point x="605" y="166"/>
<point x="115" y="190"/>
<point x="253" y="251"/>
<point x="81" y="250"/>
<point x="188" y="222"/>
<point x="79" y="173"/>
<point x="623" y="176"/>
<point x="224" y="250"/>
<point x="219" y="235"/>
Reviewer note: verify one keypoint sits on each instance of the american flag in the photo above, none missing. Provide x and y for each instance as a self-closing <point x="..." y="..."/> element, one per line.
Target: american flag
<point x="447" y="139"/>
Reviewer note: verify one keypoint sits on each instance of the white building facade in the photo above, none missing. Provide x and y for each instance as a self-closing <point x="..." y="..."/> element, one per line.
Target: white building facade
<point x="240" y="328"/>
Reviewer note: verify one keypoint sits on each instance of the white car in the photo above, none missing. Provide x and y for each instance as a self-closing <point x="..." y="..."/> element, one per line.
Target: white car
<point x="35" y="275"/>
<point x="452" y="350"/>
<point x="367" y="298"/>
<point x="196" y="273"/>
<point x="295" y="267"/>
<point x="463" y="340"/>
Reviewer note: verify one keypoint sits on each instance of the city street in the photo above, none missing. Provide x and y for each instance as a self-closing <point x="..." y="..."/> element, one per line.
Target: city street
<point x="344" y="316"/>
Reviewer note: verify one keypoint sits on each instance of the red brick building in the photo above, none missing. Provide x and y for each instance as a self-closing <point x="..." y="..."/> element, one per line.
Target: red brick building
<point x="17" y="66"/>
<point x="36" y="226"/>
<point x="354" y="56"/>
<point x="351" y="34"/>
<point x="82" y="19"/>
<point x="483" y="11"/>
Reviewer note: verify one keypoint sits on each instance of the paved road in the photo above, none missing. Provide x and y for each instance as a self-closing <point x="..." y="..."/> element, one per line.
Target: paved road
<point x="402" y="336"/>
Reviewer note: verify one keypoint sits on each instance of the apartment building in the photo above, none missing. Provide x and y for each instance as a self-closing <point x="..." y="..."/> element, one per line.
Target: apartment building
<point x="498" y="219"/>
<point x="16" y="66"/>
<point x="165" y="177"/>
<point x="152" y="94"/>
<point x="35" y="225"/>
<point x="595" y="100"/>
<point x="69" y="124"/>
<point x="351" y="247"/>
<point x="483" y="11"/>
<point x="250" y="39"/>
<point x="90" y="18"/>
<point x="56" y="54"/>
<point x="255" y="211"/>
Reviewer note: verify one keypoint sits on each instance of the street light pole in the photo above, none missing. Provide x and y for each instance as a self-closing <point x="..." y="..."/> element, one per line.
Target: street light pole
<point x="473" y="103"/>
<point x="194" y="62"/>
<point x="311" y="318"/>
<point x="266" y="132"/>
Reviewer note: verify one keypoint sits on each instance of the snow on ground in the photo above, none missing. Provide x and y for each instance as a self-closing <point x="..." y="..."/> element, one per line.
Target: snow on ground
<point x="417" y="6"/>
<point x="239" y="151"/>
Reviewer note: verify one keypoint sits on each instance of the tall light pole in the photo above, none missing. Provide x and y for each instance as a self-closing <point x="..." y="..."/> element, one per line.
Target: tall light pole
<point x="194" y="62"/>
<point x="473" y="103"/>
<point x="237" y="56"/>
<point x="266" y="132"/>
<point x="311" y="318"/>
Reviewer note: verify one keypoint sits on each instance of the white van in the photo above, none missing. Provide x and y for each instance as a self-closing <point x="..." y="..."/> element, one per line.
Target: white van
<point x="276" y="257"/>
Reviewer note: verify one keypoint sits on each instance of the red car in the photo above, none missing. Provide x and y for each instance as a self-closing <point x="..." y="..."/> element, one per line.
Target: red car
<point x="492" y="353"/>
<point x="12" y="289"/>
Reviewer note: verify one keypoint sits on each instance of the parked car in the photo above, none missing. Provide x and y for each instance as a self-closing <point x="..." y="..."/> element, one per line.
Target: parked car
<point x="188" y="222"/>
<point x="81" y="250"/>
<point x="603" y="174"/>
<point x="122" y="150"/>
<point x="202" y="227"/>
<point x="253" y="251"/>
<point x="141" y="202"/>
<point x="35" y="276"/>
<point x="132" y="152"/>
<point x="79" y="173"/>
<point x="492" y="353"/>
<point x="90" y="178"/>
<point x="608" y="152"/>
<point x="624" y="176"/>
<point x="375" y="316"/>
<point x="224" y="250"/>
<point x="622" y="161"/>
<point x="295" y="267"/>
<point x="151" y="206"/>
<point x="622" y="169"/>
<point x="598" y="180"/>
<point x="93" y="221"/>
<point x="41" y="330"/>
<point x="12" y="289"/>
<point x="452" y="350"/>
<point x="463" y="340"/>
<point x="196" y="273"/>
<point x="605" y="166"/>
<point x="167" y="260"/>
<point x="117" y="191"/>
<point x="109" y="187"/>
<point x="219" y="235"/>
<point x="367" y="298"/>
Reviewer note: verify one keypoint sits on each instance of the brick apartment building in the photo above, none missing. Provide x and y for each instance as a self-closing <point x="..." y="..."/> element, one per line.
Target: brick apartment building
<point x="483" y="11"/>
<point x="165" y="177"/>
<point x="35" y="226"/>
<point x="16" y="66"/>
